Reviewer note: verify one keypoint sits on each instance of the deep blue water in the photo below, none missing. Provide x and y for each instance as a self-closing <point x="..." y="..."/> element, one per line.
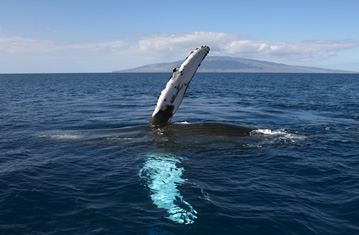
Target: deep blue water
<point x="77" y="156"/>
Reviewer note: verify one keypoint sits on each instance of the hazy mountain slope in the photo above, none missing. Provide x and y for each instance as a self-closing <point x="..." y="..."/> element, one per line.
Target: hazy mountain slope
<point x="232" y="64"/>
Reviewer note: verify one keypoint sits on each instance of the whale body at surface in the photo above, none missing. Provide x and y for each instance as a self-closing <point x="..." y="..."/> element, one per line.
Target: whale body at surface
<point x="171" y="98"/>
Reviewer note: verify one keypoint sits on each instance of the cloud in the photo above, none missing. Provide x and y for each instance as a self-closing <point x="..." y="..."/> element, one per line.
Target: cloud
<point x="20" y="45"/>
<point x="164" y="46"/>
<point x="23" y="45"/>
<point x="301" y="51"/>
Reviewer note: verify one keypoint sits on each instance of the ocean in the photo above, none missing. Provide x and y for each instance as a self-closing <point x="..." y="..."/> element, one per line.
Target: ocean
<point x="77" y="155"/>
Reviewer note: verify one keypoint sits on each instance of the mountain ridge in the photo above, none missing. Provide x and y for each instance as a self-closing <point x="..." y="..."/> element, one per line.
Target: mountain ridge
<point x="223" y="64"/>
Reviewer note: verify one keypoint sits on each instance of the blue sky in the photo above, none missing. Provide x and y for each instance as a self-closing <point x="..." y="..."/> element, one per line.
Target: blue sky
<point x="42" y="36"/>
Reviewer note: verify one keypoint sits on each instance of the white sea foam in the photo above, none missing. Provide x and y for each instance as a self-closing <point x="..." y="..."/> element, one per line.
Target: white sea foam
<point x="269" y="132"/>
<point x="281" y="135"/>
<point x="184" y="122"/>
<point x="162" y="176"/>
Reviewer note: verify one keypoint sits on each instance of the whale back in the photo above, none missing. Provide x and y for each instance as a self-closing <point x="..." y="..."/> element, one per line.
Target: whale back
<point x="210" y="129"/>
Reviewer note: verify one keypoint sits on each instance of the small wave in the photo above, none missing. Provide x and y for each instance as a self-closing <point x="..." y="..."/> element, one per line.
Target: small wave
<point x="65" y="137"/>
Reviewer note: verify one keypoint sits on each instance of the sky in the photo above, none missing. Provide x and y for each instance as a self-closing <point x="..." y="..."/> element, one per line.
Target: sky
<point x="73" y="36"/>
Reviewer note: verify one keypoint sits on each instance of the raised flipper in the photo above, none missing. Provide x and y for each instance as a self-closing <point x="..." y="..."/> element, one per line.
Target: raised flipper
<point x="171" y="97"/>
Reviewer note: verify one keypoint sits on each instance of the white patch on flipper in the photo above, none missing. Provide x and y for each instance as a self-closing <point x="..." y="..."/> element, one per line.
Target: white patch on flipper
<point x="162" y="176"/>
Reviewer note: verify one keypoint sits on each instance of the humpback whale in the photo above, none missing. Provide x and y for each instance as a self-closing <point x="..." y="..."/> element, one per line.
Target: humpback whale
<point x="171" y="98"/>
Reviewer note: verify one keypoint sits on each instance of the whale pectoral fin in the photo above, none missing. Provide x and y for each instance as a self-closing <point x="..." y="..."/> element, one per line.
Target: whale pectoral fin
<point x="171" y="97"/>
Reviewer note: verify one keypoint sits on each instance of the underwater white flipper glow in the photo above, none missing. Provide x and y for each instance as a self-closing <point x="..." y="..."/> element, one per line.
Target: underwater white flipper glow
<point x="162" y="176"/>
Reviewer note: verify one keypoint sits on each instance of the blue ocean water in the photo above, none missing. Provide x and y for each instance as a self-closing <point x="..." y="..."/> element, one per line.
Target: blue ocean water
<point x="77" y="156"/>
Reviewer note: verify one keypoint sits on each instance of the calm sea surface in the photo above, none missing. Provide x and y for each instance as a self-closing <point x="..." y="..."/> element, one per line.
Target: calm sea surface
<point x="77" y="156"/>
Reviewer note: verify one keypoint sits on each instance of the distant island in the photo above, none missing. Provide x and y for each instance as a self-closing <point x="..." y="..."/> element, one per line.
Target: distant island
<point x="226" y="64"/>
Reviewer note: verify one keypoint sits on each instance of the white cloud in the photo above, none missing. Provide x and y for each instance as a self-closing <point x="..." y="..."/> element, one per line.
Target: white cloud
<point x="22" y="45"/>
<point x="15" y="45"/>
<point x="166" y="47"/>
<point x="164" y="44"/>
<point x="300" y="51"/>
<point x="232" y="45"/>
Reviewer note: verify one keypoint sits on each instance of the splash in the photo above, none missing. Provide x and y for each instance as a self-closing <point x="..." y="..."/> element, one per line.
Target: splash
<point x="278" y="136"/>
<point x="184" y="122"/>
<point x="162" y="176"/>
<point x="269" y="132"/>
